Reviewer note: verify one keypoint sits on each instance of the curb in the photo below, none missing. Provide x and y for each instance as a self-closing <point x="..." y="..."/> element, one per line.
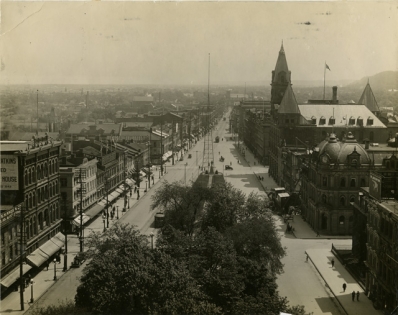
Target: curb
<point x="341" y="305"/>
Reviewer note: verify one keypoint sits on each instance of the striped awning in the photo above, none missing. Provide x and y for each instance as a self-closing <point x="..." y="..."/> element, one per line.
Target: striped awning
<point x="45" y="251"/>
<point x="14" y="275"/>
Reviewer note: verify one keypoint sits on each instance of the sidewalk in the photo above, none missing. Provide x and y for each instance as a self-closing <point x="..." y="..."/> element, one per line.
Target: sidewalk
<point x="334" y="279"/>
<point x="44" y="279"/>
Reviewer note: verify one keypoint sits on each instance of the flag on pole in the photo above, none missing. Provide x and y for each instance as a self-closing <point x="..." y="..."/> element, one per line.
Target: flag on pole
<point x="327" y="67"/>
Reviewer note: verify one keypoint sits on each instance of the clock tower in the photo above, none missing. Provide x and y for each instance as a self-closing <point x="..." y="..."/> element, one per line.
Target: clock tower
<point x="280" y="78"/>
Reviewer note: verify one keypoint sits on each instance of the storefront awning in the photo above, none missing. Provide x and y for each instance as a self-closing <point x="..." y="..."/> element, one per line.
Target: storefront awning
<point x="14" y="275"/>
<point x="85" y="218"/>
<point x="129" y="182"/>
<point x="119" y="190"/>
<point x="45" y="251"/>
<point x="92" y="212"/>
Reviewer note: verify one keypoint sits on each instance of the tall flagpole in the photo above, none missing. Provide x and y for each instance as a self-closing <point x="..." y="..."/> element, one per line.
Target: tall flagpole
<point x="324" y="76"/>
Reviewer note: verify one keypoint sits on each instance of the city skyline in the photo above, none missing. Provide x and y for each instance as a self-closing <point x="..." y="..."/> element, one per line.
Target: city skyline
<point x="168" y="43"/>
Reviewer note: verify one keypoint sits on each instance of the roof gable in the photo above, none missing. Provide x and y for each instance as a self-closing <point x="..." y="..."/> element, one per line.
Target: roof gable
<point x="289" y="104"/>
<point x="368" y="99"/>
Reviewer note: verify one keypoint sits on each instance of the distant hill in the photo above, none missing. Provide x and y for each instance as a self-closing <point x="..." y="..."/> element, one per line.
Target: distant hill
<point x="381" y="81"/>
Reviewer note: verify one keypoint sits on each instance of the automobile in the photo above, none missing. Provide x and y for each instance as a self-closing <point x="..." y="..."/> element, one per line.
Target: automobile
<point x="227" y="167"/>
<point x="189" y="156"/>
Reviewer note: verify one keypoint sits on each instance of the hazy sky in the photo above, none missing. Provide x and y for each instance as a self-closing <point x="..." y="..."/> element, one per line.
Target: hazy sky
<point x="168" y="42"/>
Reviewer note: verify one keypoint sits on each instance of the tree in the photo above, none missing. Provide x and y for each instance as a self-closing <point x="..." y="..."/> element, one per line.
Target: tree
<point x="181" y="204"/>
<point x="125" y="276"/>
<point x="222" y="209"/>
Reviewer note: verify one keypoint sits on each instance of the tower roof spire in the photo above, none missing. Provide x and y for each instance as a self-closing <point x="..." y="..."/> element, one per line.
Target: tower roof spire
<point x="281" y="65"/>
<point x="367" y="98"/>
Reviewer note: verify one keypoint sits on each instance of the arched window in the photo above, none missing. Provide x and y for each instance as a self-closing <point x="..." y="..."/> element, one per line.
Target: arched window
<point x="323" y="198"/>
<point x="353" y="182"/>
<point x="324" y="181"/>
<point x="34" y="225"/>
<point x="342" y="182"/>
<point x="352" y="199"/>
<point x="341" y="219"/>
<point x="26" y="178"/>
<point x="40" y="218"/>
<point x="34" y="199"/>
<point x="45" y="168"/>
<point x="342" y="201"/>
<point x="33" y="174"/>
<point x="363" y="182"/>
<point x="38" y="172"/>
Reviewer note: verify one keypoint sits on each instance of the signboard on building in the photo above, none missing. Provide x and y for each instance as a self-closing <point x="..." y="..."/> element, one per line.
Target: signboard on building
<point x="9" y="172"/>
<point x="375" y="185"/>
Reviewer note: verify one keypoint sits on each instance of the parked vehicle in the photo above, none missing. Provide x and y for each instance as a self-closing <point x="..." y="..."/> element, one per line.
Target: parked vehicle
<point x="189" y="156"/>
<point x="227" y="167"/>
<point x="217" y="139"/>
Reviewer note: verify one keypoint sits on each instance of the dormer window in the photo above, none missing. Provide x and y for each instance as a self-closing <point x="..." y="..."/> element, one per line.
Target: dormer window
<point x="370" y="121"/>
<point x="332" y="120"/>
<point x="313" y="120"/>
<point x="360" y="121"/>
<point x="322" y="120"/>
<point x="352" y="120"/>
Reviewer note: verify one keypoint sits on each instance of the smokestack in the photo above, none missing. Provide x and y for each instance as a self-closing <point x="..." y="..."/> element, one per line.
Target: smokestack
<point x="334" y="100"/>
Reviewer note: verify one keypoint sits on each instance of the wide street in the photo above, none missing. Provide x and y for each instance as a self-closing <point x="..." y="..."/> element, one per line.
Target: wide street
<point x="300" y="282"/>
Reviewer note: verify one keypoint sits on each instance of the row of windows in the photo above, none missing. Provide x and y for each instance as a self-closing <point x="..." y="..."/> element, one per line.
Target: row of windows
<point x="351" y="121"/>
<point x="41" y="171"/>
<point x="42" y="194"/>
<point x="343" y="182"/>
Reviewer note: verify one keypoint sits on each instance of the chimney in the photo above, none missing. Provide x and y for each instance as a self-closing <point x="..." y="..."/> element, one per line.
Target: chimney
<point x="367" y="144"/>
<point x="334" y="100"/>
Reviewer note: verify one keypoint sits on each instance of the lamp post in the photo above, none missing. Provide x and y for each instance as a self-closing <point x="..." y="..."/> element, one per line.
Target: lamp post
<point x="31" y="291"/>
<point x="117" y="213"/>
<point x="152" y="239"/>
<point x="185" y="173"/>
<point x="55" y="269"/>
<point x="65" y="259"/>
<point x="103" y="220"/>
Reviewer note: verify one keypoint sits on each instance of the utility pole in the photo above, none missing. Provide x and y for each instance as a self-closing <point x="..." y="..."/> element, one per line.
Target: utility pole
<point x="161" y="143"/>
<point x="66" y="236"/>
<point x="21" y="255"/>
<point x="107" y="201"/>
<point x="172" y="142"/>
<point x="81" y="211"/>
<point x="37" y="105"/>
<point x="149" y="158"/>
<point x="124" y="186"/>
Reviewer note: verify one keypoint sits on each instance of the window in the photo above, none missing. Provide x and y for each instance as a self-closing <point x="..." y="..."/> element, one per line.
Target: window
<point x="313" y="120"/>
<point x="342" y="182"/>
<point x="11" y="252"/>
<point x="351" y="120"/>
<point x="332" y="120"/>
<point x="287" y="121"/>
<point x="322" y="120"/>
<point x="324" y="181"/>
<point x="353" y="182"/>
<point x="352" y="199"/>
<point x="292" y="121"/>
<point x="370" y="121"/>
<point x="324" y="198"/>
<point x="341" y="220"/>
<point x="64" y="182"/>
<point x="354" y="162"/>
<point x="363" y="182"/>
<point x="360" y="121"/>
<point x="342" y="201"/>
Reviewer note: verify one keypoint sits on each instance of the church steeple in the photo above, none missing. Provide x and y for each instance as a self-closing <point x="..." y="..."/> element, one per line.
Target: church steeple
<point x="280" y="78"/>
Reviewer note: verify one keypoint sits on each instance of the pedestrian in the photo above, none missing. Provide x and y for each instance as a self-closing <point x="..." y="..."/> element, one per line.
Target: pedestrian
<point x="358" y="296"/>
<point x="332" y="262"/>
<point x="344" y="287"/>
<point x="353" y="296"/>
<point x="47" y="264"/>
<point x="317" y="234"/>
<point x="306" y="258"/>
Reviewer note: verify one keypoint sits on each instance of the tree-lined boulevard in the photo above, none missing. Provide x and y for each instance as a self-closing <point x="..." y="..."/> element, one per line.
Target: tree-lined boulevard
<point x="300" y="282"/>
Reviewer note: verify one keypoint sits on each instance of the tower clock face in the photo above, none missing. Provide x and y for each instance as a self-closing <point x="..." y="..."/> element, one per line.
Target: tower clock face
<point x="325" y="159"/>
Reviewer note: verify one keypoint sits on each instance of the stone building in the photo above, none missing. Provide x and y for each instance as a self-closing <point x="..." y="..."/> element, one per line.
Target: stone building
<point x="30" y="196"/>
<point x="375" y="236"/>
<point x="330" y="181"/>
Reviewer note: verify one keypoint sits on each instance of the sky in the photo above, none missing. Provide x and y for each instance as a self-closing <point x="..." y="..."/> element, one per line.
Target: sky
<point x="170" y="42"/>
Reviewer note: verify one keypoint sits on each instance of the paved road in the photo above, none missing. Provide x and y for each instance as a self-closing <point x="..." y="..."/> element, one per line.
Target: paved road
<point x="300" y="282"/>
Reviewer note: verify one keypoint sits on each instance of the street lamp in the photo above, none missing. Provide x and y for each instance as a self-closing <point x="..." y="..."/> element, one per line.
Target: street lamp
<point x="103" y="220"/>
<point x="55" y="269"/>
<point x="65" y="259"/>
<point x="152" y="239"/>
<point x="117" y="213"/>
<point x="185" y="173"/>
<point x="31" y="291"/>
